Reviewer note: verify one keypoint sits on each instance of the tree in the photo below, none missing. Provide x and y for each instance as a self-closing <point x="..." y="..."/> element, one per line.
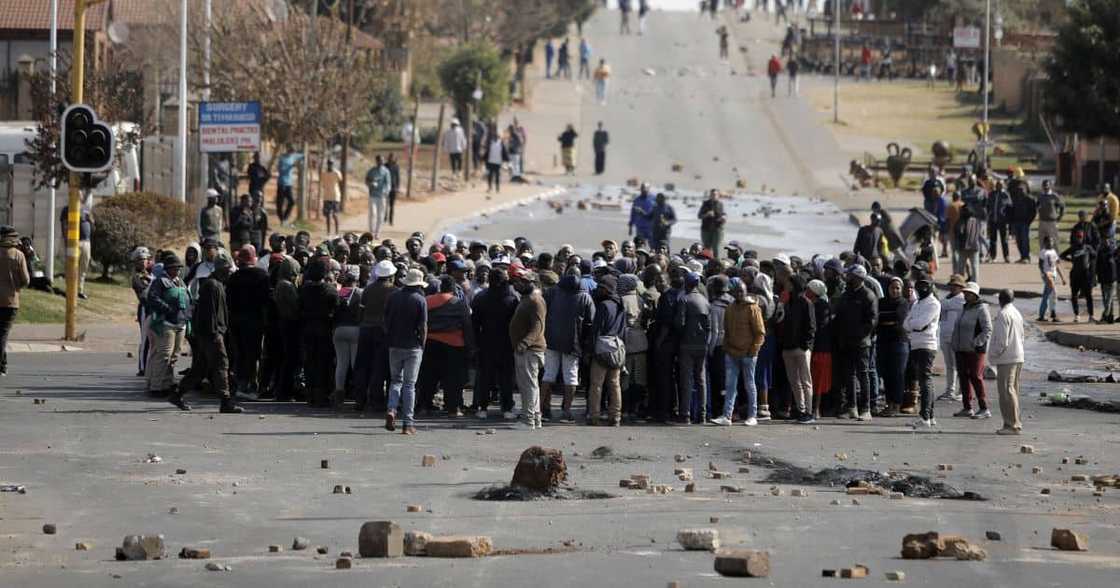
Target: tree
<point x="1082" y="91"/>
<point x="476" y="66"/>
<point x="115" y="235"/>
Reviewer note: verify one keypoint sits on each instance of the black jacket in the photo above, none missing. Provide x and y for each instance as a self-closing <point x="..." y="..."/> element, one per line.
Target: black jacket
<point x="317" y="303"/>
<point x="247" y="290"/>
<point x="893" y="312"/>
<point x="570" y="313"/>
<point x="406" y="319"/>
<point x="855" y="318"/>
<point x="493" y="310"/>
<point x="1106" y="263"/>
<point x="822" y="337"/>
<point x="1000" y="207"/>
<point x="211" y="314"/>
<point x="610" y="319"/>
<point x="798" y="328"/>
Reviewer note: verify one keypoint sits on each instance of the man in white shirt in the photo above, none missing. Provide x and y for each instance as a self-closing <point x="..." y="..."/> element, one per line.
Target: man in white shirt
<point x="1005" y="351"/>
<point x="951" y="309"/>
<point x="922" y="326"/>
<point x="1050" y="269"/>
<point x="454" y="143"/>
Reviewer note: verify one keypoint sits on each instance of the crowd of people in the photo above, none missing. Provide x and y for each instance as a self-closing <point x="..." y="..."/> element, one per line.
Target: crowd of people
<point x="709" y="334"/>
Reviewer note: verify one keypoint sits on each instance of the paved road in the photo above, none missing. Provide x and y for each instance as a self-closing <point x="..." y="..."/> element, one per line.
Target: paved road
<point x="81" y="455"/>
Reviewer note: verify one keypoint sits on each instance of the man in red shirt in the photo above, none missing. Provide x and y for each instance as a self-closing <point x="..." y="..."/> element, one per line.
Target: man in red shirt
<point x="773" y="69"/>
<point x="865" y="63"/>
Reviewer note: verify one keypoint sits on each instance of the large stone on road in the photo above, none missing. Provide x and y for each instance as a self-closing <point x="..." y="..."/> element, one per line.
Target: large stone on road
<point x="141" y="547"/>
<point x="380" y="539"/>
<point x="742" y="563"/>
<point x="459" y="546"/>
<point x="540" y="469"/>
<point x="698" y="539"/>
<point x="1068" y="540"/>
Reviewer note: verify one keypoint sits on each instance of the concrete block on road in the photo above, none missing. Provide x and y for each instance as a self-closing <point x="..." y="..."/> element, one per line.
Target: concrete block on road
<point x="698" y="539"/>
<point x="459" y="546"/>
<point x="380" y="539"/>
<point x="742" y="563"/>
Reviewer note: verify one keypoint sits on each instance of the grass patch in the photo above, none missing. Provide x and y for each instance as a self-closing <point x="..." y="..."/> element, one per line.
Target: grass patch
<point x="107" y="303"/>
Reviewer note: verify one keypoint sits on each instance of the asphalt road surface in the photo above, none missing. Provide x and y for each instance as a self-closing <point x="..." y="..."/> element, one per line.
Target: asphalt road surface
<point x="254" y="480"/>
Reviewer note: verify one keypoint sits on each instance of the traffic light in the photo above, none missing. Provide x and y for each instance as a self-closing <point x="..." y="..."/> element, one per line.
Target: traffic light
<point x="87" y="144"/>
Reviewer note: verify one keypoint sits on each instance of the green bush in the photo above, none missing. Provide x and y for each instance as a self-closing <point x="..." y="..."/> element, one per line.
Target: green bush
<point x="115" y="234"/>
<point x="477" y="66"/>
<point x="160" y="219"/>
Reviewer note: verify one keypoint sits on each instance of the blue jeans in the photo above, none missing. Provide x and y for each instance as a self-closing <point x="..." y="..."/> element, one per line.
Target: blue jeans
<point x="1022" y="232"/>
<point x="1049" y="298"/>
<point x="733" y="366"/>
<point x="404" y="367"/>
<point x="892" y="366"/>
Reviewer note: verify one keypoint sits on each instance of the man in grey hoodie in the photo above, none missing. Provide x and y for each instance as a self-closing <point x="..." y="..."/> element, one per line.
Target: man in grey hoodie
<point x="694" y="327"/>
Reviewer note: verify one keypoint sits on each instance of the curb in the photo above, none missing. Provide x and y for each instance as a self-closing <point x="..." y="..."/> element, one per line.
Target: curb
<point x="1107" y="345"/>
<point x="18" y="347"/>
<point x="550" y="193"/>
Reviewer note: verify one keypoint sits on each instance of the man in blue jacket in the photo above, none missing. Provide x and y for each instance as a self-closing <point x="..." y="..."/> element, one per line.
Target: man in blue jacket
<point x="406" y="328"/>
<point x="641" y="221"/>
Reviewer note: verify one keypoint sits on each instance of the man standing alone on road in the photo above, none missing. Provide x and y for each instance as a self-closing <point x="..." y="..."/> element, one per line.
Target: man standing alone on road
<point x="454" y="143"/>
<point x="406" y="328"/>
<point x="1051" y="208"/>
<point x="602" y="79"/>
<point x="13" y="278"/>
<point x="712" y="219"/>
<point x="584" y="60"/>
<point x="773" y="68"/>
<point x="526" y="334"/>
<point x="379" y="182"/>
<point x="641" y="211"/>
<point x="663" y="218"/>
<point x="285" y="179"/>
<point x="1006" y="353"/>
<point x="599" y="142"/>
<point x="332" y="196"/>
<point x="1000" y="211"/>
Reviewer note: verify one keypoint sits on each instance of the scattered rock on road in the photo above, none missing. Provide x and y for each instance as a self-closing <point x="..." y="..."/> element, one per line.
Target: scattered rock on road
<point x="82" y="546"/>
<point x="540" y="469"/>
<point x="141" y="547"/>
<point x="1068" y="540"/>
<point x="428" y="461"/>
<point x="194" y="553"/>
<point x="416" y="543"/>
<point x="895" y="576"/>
<point x="49" y="529"/>
<point x="380" y="539"/>
<point x="343" y="563"/>
<point x="413" y="508"/>
<point x="855" y="572"/>
<point x="993" y="536"/>
<point x="217" y="567"/>
<point x="1028" y="449"/>
<point x="275" y="549"/>
<point x="300" y="543"/>
<point x="459" y="546"/>
<point x="742" y="563"/>
<point x="698" y="539"/>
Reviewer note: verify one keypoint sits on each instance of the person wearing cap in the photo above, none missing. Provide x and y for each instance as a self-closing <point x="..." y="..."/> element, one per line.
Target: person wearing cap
<point x="1005" y="351"/>
<point x="167" y="304"/>
<point x="970" y="342"/>
<point x="13" y="278"/>
<point x="210" y="219"/>
<point x="86" y="225"/>
<point x="641" y="211"/>
<point x="371" y="373"/>
<point x="526" y="334"/>
<point x="347" y="331"/>
<point x="606" y="341"/>
<point x="318" y="301"/>
<point x="208" y="326"/>
<point x="492" y="311"/>
<point x="712" y="218"/>
<point x="406" y="330"/>
<point x="141" y="278"/>
<point x="378" y="182"/>
<point x="570" y="312"/>
<point x="854" y="322"/>
<point x="454" y="143"/>
<point x="449" y="346"/>
<point x="245" y="290"/>
<point x="922" y="325"/>
<point x="734" y="252"/>
<point x="692" y="321"/>
<point x="951" y="309"/>
<point x="610" y="250"/>
<point x="797" y="330"/>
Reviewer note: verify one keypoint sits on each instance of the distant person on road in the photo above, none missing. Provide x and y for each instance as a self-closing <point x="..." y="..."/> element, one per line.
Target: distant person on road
<point x="378" y="182"/>
<point x="567" y="141"/>
<point x="584" y="59"/>
<point x="1082" y="255"/>
<point x="724" y="43"/>
<point x="332" y="196"/>
<point x="624" y="15"/>
<point x="773" y="69"/>
<point x="1051" y="208"/>
<point x="564" y="61"/>
<point x="1024" y="209"/>
<point x="395" y="186"/>
<point x="641" y="214"/>
<point x="86" y="225"/>
<point x="241" y="223"/>
<point x="599" y="142"/>
<point x="792" y="68"/>
<point x="455" y="143"/>
<point x="13" y="278"/>
<point x="865" y="63"/>
<point x="406" y="331"/>
<point x="602" y="80"/>
<point x="1050" y="269"/>
<point x="496" y="155"/>
<point x="712" y="219"/>
<point x="1106" y="276"/>
<point x="1111" y="206"/>
<point x="663" y="218"/>
<point x="643" y="13"/>
<point x="1000" y="211"/>
<point x="970" y="341"/>
<point x="258" y="177"/>
<point x="1005" y="351"/>
<point x="285" y="179"/>
<point x="549" y="56"/>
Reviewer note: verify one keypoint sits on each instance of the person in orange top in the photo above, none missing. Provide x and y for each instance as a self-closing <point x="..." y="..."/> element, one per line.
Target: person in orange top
<point x="449" y="345"/>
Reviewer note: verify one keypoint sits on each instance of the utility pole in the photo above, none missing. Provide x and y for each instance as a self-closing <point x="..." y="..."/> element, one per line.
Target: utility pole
<point x="412" y="140"/>
<point x="987" y="86"/>
<point x="836" y="62"/>
<point x="439" y="143"/>
<point x="181" y="156"/>
<point x="74" y="212"/>
<point x="51" y="205"/>
<point x="346" y="136"/>
<point x="305" y="179"/>
<point x="204" y="158"/>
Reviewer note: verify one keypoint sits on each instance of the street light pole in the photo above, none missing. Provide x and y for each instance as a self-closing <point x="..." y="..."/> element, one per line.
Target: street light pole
<point x="987" y="86"/>
<point x="836" y="62"/>
<point x="181" y="156"/>
<point x="51" y="205"/>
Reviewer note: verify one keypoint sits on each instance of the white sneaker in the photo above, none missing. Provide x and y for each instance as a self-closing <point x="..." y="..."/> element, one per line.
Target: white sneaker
<point x="984" y="414"/>
<point x="751" y="422"/>
<point x="865" y="416"/>
<point x="920" y="423"/>
<point x="851" y="414"/>
<point x="509" y="415"/>
<point x="722" y="421"/>
<point x="932" y="422"/>
<point x="481" y="414"/>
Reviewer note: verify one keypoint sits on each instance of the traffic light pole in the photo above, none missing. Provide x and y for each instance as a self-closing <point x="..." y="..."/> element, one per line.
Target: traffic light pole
<point x="74" y="211"/>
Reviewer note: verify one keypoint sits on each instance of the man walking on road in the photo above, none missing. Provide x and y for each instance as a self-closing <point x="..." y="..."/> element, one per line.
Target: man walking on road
<point x="455" y="142"/>
<point x="712" y="218"/>
<point x="1050" y="269"/>
<point x="406" y="328"/>
<point x="792" y="68"/>
<point x="379" y="182"/>
<point x="663" y="218"/>
<point x="641" y="214"/>
<point x="624" y="23"/>
<point x="549" y="55"/>
<point x="584" y="60"/>
<point x="526" y="334"/>
<point x="1051" y="208"/>
<point x="602" y="79"/>
<point x="599" y="142"/>
<point x="1005" y="351"/>
<point x="285" y="179"/>
<point x="1023" y="211"/>
<point x="13" y="278"/>
<point x="208" y="329"/>
<point x="773" y="68"/>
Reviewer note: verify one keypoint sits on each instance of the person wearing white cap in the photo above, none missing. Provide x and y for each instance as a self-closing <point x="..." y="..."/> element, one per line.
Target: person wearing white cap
<point x="372" y="364"/>
<point x="454" y="142"/>
<point x="406" y="328"/>
<point x="970" y="342"/>
<point x="210" y="218"/>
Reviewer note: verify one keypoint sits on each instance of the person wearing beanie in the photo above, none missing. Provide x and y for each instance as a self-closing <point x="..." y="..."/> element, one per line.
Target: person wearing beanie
<point x="318" y="301"/>
<point x="208" y="325"/>
<point x="167" y="302"/>
<point x="609" y="352"/>
<point x="820" y="361"/>
<point x="856" y="316"/>
<point x="693" y="324"/>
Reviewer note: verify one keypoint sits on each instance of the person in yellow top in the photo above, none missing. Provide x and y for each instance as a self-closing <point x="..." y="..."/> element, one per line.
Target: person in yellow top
<point x="331" y="184"/>
<point x="1113" y="203"/>
<point x="602" y="77"/>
